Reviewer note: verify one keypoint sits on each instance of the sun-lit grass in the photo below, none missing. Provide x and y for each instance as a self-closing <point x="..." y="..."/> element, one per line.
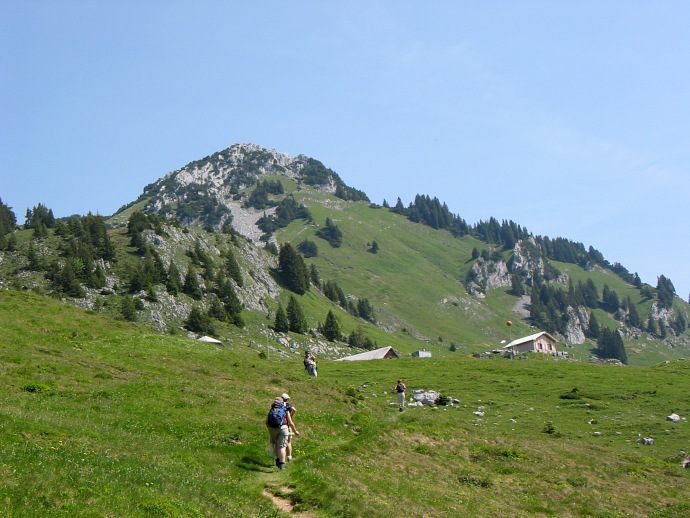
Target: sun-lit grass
<point x="103" y="418"/>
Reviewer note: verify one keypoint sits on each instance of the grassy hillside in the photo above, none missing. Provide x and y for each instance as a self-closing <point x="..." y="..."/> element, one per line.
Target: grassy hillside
<point x="415" y="282"/>
<point x="103" y="418"/>
<point x="414" y="279"/>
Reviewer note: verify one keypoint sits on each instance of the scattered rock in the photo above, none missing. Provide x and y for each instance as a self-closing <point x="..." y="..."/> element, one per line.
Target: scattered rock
<point x="673" y="417"/>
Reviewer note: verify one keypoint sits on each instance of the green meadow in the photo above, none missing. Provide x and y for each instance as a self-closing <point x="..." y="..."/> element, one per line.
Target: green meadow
<point x="105" y="418"/>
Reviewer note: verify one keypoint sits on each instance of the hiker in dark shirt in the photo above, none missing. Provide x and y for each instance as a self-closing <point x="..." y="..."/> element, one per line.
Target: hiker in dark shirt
<point x="400" y="389"/>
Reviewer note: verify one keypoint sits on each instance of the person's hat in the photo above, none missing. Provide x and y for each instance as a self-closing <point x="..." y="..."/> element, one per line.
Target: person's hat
<point x="285" y="396"/>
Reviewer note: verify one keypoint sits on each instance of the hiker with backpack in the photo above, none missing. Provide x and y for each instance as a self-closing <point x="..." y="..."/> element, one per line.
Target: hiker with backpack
<point x="400" y="389"/>
<point x="279" y="424"/>
<point x="310" y="363"/>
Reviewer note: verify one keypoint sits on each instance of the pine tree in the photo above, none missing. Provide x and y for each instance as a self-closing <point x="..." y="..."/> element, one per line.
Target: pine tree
<point x="191" y="285"/>
<point x="610" y="299"/>
<point x="593" y="331"/>
<point x="308" y="248"/>
<point x="314" y="275"/>
<point x="172" y="284"/>
<point x="591" y="294"/>
<point x="610" y="345"/>
<point x="296" y="320"/>
<point x="231" y="302"/>
<point x="32" y="256"/>
<point x="633" y="315"/>
<point x="331" y="233"/>
<point x="198" y="321"/>
<point x="8" y="220"/>
<point x="68" y="283"/>
<point x="665" y="291"/>
<point x="232" y="268"/>
<point x="281" y="324"/>
<point x="11" y="244"/>
<point x="217" y="311"/>
<point x="517" y="286"/>
<point x="128" y="309"/>
<point x="331" y="328"/>
<point x="292" y="270"/>
<point x="365" y="310"/>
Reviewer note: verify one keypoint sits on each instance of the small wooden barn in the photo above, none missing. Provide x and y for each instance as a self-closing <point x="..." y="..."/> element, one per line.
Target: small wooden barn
<point x="541" y="342"/>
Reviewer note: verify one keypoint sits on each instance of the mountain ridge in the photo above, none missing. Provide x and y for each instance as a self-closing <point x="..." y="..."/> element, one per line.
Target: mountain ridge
<point x="211" y="206"/>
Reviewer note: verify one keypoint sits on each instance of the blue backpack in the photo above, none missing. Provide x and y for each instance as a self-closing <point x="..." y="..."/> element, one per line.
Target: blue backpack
<point x="276" y="414"/>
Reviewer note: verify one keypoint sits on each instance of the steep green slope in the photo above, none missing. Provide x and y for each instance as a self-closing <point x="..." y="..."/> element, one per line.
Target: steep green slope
<point x="103" y="418"/>
<point x="417" y="279"/>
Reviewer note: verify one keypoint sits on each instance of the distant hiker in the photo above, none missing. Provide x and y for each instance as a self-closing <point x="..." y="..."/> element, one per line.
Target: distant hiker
<point x="310" y="363"/>
<point x="279" y="423"/>
<point x="400" y="389"/>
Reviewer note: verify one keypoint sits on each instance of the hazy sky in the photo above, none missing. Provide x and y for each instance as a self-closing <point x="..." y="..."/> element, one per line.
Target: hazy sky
<point x="570" y="118"/>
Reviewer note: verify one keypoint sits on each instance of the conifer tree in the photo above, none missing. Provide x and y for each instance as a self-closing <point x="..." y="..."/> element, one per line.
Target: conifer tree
<point x="610" y="299"/>
<point x="331" y="328"/>
<point x="293" y="270"/>
<point x="32" y="256"/>
<point x="231" y="302"/>
<point x="665" y="291"/>
<point x="216" y="310"/>
<point x="67" y="281"/>
<point x="365" y="310"/>
<point x="11" y="244"/>
<point x="281" y="324"/>
<point x="173" y="281"/>
<point x="308" y="248"/>
<point x="99" y="280"/>
<point x="517" y="287"/>
<point x="591" y="294"/>
<point x="633" y="315"/>
<point x="652" y="326"/>
<point x="296" y="320"/>
<point x="331" y="233"/>
<point x="232" y="267"/>
<point x="8" y="220"/>
<point x="198" y="321"/>
<point x="128" y="309"/>
<point x="314" y="276"/>
<point x="610" y="345"/>
<point x="593" y="330"/>
<point x="191" y="285"/>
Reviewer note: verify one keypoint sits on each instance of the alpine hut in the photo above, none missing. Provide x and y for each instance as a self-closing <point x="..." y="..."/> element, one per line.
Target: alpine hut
<point x="377" y="354"/>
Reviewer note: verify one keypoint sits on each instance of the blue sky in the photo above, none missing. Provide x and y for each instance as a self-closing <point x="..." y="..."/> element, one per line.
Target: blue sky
<point x="569" y="118"/>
